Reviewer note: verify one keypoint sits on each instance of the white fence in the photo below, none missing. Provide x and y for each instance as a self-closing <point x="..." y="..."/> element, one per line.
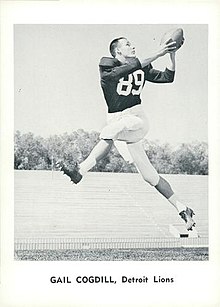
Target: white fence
<point x="106" y="243"/>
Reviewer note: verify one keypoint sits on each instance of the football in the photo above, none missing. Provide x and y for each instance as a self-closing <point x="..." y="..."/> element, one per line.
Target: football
<point x="174" y="35"/>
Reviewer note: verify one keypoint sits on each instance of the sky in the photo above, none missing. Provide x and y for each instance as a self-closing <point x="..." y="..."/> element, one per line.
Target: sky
<point x="57" y="84"/>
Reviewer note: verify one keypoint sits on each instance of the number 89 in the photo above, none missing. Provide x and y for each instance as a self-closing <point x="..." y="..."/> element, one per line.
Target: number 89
<point x="124" y="87"/>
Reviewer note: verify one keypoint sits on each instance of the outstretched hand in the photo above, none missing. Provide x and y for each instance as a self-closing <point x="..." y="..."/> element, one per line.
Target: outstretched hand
<point x="167" y="47"/>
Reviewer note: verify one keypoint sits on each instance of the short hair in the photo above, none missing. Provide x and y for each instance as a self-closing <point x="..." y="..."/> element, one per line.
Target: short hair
<point x="114" y="44"/>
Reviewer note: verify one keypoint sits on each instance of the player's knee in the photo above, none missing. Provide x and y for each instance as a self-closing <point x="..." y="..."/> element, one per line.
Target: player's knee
<point x="109" y="141"/>
<point x="107" y="135"/>
<point x="135" y="141"/>
<point x="111" y="131"/>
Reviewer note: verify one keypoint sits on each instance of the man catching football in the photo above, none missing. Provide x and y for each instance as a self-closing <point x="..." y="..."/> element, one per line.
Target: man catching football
<point x="122" y="79"/>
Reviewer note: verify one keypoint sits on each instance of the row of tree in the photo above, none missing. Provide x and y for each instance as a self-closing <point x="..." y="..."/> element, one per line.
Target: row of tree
<point x="38" y="153"/>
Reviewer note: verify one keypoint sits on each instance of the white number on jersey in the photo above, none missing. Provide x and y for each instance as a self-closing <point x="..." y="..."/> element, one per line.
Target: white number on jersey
<point x="124" y="87"/>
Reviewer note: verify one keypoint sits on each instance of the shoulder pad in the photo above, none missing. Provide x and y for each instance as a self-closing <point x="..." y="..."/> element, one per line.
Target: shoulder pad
<point x="106" y="61"/>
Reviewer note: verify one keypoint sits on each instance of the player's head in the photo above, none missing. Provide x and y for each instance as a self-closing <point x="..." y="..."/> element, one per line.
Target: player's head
<point x="122" y="47"/>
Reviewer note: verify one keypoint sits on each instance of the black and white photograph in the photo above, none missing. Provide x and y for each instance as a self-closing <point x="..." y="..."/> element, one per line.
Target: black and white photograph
<point x="123" y="116"/>
<point x="109" y="154"/>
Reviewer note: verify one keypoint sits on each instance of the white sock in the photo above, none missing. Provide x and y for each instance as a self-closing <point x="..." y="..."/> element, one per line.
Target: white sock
<point x="180" y="206"/>
<point x="86" y="165"/>
<point x="176" y="203"/>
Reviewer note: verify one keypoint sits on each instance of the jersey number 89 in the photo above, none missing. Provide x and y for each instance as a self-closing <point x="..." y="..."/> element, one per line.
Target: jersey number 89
<point x="125" y="87"/>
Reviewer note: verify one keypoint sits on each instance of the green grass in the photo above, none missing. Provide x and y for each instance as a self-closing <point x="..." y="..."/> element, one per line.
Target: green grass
<point x="162" y="254"/>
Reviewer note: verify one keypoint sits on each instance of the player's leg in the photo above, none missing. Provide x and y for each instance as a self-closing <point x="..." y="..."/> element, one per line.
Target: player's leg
<point x="166" y="190"/>
<point x="78" y="170"/>
<point x="108" y="134"/>
<point x="123" y="151"/>
<point x="98" y="152"/>
<point x="142" y="163"/>
<point x="151" y="176"/>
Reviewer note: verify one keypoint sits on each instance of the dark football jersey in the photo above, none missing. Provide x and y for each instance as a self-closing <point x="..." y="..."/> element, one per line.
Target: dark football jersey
<point x="122" y="83"/>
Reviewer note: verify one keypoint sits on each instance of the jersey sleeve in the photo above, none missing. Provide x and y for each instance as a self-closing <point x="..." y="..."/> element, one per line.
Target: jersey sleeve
<point x="111" y="69"/>
<point x="157" y="76"/>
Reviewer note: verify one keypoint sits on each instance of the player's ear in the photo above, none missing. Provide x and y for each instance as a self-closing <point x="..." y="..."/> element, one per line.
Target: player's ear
<point x="117" y="50"/>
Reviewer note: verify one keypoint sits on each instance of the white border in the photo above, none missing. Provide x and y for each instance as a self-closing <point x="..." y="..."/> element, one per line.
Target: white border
<point x="26" y="283"/>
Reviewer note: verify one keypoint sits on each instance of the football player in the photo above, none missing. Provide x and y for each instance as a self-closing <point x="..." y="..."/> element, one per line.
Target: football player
<point x="123" y="76"/>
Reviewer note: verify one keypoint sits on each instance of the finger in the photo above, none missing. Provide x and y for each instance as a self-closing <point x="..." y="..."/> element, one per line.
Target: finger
<point x="172" y="48"/>
<point x="171" y="44"/>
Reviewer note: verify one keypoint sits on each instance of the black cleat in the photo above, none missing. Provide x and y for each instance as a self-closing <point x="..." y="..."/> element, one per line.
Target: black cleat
<point x="73" y="173"/>
<point x="187" y="215"/>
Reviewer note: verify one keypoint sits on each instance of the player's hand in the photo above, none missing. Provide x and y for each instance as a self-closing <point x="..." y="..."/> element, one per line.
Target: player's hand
<point x="166" y="47"/>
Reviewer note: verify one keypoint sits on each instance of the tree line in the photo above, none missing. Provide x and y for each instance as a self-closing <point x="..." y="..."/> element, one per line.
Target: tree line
<point x="37" y="153"/>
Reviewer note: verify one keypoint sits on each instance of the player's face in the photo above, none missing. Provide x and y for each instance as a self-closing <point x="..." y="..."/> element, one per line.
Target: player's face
<point x="126" y="49"/>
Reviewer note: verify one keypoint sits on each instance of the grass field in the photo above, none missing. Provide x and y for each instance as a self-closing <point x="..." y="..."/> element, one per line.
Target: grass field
<point x="104" y="205"/>
<point x="161" y="254"/>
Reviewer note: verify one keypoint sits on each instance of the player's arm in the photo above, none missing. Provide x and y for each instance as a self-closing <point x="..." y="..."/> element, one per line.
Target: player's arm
<point x="172" y="64"/>
<point x="109" y="70"/>
<point x="158" y="76"/>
